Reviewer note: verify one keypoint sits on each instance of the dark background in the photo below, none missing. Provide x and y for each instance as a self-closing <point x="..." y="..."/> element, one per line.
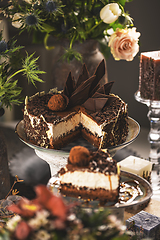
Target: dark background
<point x="146" y="16"/>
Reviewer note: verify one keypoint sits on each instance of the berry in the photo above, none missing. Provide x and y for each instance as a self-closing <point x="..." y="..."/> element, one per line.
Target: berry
<point x="3" y="46"/>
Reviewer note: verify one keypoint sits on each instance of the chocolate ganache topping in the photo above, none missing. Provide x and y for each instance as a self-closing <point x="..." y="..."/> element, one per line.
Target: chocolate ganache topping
<point x="94" y="161"/>
<point x="87" y="90"/>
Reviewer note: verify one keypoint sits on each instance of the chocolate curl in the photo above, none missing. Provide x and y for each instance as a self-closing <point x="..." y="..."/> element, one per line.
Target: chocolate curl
<point x="95" y="104"/>
<point x="100" y="71"/>
<point x="83" y="76"/>
<point x="80" y="95"/>
<point x="69" y="86"/>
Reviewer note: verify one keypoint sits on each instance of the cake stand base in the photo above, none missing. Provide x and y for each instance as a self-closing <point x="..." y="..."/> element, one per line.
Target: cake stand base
<point x="56" y="162"/>
<point x="154" y="134"/>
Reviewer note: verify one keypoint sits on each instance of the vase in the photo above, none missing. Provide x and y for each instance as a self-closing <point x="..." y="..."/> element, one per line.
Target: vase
<point x="4" y="168"/>
<point x="60" y="69"/>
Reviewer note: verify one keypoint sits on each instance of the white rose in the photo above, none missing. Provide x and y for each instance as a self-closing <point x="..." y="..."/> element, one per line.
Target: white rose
<point x="110" y="13"/>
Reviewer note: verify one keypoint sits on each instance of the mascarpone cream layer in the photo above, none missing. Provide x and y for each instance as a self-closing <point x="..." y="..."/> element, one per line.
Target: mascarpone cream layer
<point x="91" y="125"/>
<point x="63" y="127"/>
<point x="90" y="180"/>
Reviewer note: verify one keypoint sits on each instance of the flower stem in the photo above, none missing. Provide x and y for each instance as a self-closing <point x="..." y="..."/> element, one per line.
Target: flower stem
<point x="95" y="26"/>
<point x="71" y="42"/>
<point x="14" y="74"/>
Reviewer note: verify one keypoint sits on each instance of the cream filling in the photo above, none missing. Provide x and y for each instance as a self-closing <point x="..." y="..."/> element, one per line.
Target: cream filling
<point x="91" y="125"/>
<point x="90" y="180"/>
<point x="63" y="127"/>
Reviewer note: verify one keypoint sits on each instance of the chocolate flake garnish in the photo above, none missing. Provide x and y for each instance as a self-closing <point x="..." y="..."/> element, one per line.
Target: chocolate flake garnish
<point x="69" y="86"/>
<point x="83" y="76"/>
<point x="99" y="73"/>
<point x="87" y="91"/>
<point x="80" y="95"/>
<point x="106" y="88"/>
<point x="95" y="104"/>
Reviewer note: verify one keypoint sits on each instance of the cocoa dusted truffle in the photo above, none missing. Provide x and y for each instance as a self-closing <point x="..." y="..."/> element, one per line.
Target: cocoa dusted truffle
<point x="57" y="102"/>
<point x="79" y="156"/>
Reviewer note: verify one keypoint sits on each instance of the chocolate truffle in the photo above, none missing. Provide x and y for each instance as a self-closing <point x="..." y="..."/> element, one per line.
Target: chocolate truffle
<point x="79" y="156"/>
<point x="57" y="103"/>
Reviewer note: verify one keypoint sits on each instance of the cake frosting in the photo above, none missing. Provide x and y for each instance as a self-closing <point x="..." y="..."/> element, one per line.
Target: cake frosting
<point x="91" y="175"/>
<point x="82" y="108"/>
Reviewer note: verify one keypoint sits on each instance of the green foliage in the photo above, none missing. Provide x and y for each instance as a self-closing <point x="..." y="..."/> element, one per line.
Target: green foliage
<point x="12" y="63"/>
<point x="75" y="20"/>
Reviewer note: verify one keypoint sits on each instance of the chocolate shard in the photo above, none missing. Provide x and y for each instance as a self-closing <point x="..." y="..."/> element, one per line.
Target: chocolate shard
<point x="81" y="94"/>
<point x="83" y="76"/>
<point x="94" y="90"/>
<point x="106" y="88"/>
<point x="69" y="86"/>
<point x="99" y="73"/>
<point x="99" y="95"/>
<point x="88" y="87"/>
<point x="95" y="104"/>
<point x="111" y="98"/>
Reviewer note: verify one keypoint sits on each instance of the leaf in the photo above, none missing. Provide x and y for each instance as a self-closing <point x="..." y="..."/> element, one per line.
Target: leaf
<point x="47" y="28"/>
<point x="104" y="49"/>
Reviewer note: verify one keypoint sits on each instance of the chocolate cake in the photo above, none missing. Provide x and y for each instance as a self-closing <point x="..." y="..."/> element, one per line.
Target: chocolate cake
<point x="82" y="108"/>
<point x="149" y="78"/>
<point x="90" y="175"/>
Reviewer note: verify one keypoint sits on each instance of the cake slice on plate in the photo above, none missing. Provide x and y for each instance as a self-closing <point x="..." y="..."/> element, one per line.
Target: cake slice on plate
<point x="91" y="175"/>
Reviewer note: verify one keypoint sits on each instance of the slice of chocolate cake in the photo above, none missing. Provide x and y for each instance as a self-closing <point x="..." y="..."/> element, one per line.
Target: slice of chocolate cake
<point x="149" y="78"/>
<point x="83" y="108"/>
<point x="90" y="175"/>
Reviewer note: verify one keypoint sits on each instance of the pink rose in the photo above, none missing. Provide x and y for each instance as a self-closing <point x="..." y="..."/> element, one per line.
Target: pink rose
<point x="124" y="44"/>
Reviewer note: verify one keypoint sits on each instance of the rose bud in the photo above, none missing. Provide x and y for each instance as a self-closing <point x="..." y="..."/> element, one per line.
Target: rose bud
<point x="110" y="13"/>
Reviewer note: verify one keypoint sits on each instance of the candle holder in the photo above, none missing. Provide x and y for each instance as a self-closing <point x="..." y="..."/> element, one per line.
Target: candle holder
<point x="154" y="134"/>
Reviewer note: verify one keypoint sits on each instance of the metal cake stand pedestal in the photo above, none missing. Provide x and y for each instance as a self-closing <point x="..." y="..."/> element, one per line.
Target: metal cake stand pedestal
<point x="154" y="134"/>
<point x="55" y="159"/>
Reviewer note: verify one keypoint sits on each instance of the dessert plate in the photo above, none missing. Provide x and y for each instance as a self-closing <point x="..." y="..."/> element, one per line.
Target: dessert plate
<point x="58" y="158"/>
<point x="134" y="190"/>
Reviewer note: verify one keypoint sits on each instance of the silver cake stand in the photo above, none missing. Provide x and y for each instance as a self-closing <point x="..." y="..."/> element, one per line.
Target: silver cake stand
<point x="58" y="158"/>
<point x="154" y="134"/>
